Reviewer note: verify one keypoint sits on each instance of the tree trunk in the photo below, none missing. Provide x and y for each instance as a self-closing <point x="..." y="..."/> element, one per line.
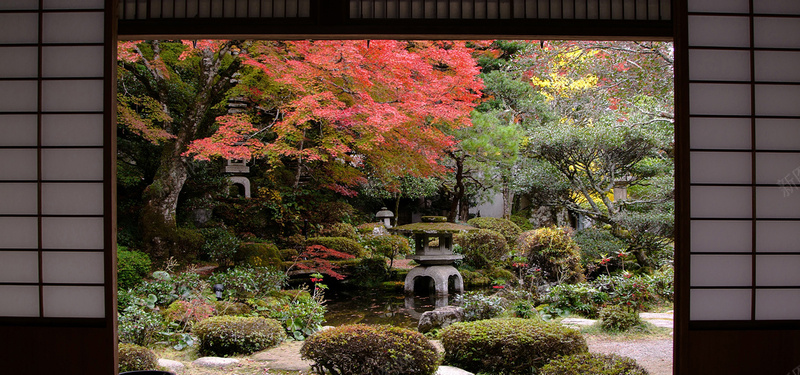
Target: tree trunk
<point x="458" y="189"/>
<point x="508" y="200"/>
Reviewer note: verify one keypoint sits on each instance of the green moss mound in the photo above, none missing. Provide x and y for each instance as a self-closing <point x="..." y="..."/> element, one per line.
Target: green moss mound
<point x="507" y="228"/>
<point x="228" y="335"/>
<point x="508" y="346"/>
<point x="341" y="244"/>
<point x="136" y="358"/>
<point x="593" y="363"/>
<point x="371" y="350"/>
<point x="257" y="254"/>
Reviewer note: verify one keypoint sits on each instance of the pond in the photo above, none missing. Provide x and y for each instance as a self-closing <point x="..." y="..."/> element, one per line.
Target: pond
<point x="376" y="306"/>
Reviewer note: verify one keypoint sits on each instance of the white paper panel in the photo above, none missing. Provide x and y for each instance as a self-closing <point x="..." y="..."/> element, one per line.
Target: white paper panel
<point x="778" y="304"/>
<point x="777" y="202"/>
<point x="74" y="301"/>
<point x="81" y="61"/>
<point x="719" y="65"/>
<point x="721" y="167"/>
<point x="721" y="236"/>
<point x="717" y="6"/>
<point x="778" y="270"/>
<point x="18" y="130"/>
<point x="776" y="32"/>
<point x="19" y="266"/>
<point x="719" y="99"/>
<point x="776" y="6"/>
<point x="781" y="168"/>
<point x="711" y="31"/>
<point x="18" y="96"/>
<point x="720" y="133"/>
<point x="25" y="297"/>
<point x="18" y="164"/>
<point x="72" y="267"/>
<point x="72" y="95"/>
<point x="73" y="27"/>
<point x="19" y="62"/>
<point x="82" y="233"/>
<point x="721" y="270"/>
<point x="720" y="304"/>
<point x="19" y="233"/>
<point x="721" y="202"/>
<point x="777" y="100"/>
<point x="19" y="199"/>
<point x="18" y="28"/>
<point x="777" y="66"/>
<point x="72" y="130"/>
<point x="19" y="4"/>
<point x="778" y="236"/>
<point x="72" y="164"/>
<point x="72" y="199"/>
<point x="74" y="4"/>
<point x="777" y="134"/>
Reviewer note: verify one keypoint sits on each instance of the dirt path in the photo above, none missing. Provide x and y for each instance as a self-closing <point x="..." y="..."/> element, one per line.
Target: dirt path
<point x="653" y="355"/>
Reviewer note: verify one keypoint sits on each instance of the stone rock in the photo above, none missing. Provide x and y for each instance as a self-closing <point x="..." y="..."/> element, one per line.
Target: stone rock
<point x="215" y="362"/>
<point x="170" y="364"/>
<point x="447" y="370"/>
<point x="578" y="322"/>
<point x="440" y="318"/>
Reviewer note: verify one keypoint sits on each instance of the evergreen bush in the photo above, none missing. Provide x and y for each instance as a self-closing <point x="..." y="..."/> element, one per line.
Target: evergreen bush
<point x="258" y="254"/>
<point x="132" y="268"/>
<point x="508" y="346"/>
<point x="136" y="358"/>
<point x="505" y="227"/>
<point x="244" y="282"/>
<point x="341" y="230"/>
<point x="228" y="335"/>
<point x="371" y="350"/>
<point x="483" y="248"/>
<point x="553" y="251"/>
<point x="593" y="363"/>
<point x="618" y="319"/>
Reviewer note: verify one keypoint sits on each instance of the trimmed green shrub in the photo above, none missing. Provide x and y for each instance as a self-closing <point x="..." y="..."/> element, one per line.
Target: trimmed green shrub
<point x="370" y="228"/>
<point x="593" y="363"/>
<point x="258" y="254"/>
<point x="389" y="246"/>
<point x="553" y="251"/>
<point x="341" y="230"/>
<point x="136" y="358"/>
<point x="242" y="283"/>
<point x="228" y="335"/>
<point x="370" y="350"/>
<point x="299" y="313"/>
<point x="618" y="319"/>
<point x="522" y="221"/>
<point x="594" y="243"/>
<point x="483" y="248"/>
<point x="507" y="228"/>
<point x="220" y="245"/>
<point x="342" y="244"/>
<point x="232" y="308"/>
<point x="132" y="268"/>
<point x="478" y="306"/>
<point x="508" y="346"/>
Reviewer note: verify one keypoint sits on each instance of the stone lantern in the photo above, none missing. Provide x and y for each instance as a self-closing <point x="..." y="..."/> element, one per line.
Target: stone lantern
<point x="433" y="246"/>
<point x="385" y="216"/>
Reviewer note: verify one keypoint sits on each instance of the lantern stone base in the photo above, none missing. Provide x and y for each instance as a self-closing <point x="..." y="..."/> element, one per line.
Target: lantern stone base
<point x="440" y="276"/>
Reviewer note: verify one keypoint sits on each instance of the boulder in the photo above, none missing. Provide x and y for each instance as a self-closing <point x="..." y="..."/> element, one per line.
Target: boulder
<point x="170" y="364"/>
<point x="440" y="318"/>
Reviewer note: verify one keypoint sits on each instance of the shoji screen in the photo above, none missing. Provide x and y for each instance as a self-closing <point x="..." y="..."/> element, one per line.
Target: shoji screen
<point x="741" y="108"/>
<point x="56" y="195"/>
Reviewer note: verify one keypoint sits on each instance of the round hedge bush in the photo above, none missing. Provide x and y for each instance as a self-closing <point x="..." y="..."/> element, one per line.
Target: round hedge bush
<point x="508" y="346"/>
<point x="132" y="268"/>
<point x="593" y="363"/>
<point x="507" y="228"/>
<point x="554" y="251"/>
<point x="618" y="318"/>
<point x="370" y="350"/>
<point x="483" y="248"/>
<point x="341" y="230"/>
<point x="227" y="335"/>
<point x="342" y="244"/>
<point x="136" y="358"/>
<point x="258" y="254"/>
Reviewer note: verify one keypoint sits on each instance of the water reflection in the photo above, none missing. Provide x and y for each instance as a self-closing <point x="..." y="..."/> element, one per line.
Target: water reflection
<point x="379" y="307"/>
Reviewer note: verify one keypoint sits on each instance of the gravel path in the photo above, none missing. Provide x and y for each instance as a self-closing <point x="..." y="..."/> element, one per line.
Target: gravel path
<point x="653" y="355"/>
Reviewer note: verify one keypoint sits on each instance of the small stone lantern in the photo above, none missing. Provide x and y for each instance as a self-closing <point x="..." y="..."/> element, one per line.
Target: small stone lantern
<point x="433" y="246"/>
<point x="385" y="216"/>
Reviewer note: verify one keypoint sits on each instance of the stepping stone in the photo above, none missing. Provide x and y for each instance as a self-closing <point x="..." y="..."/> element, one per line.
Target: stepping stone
<point x="285" y="356"/>
<point x="448" y="370"/>
<point x="215" y="362"/>
<point x="578" y="322"/>
<point x="170" y="364"/>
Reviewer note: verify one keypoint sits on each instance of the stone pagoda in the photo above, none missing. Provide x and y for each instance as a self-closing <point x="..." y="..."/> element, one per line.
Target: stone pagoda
<point x="433" y="245"/>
